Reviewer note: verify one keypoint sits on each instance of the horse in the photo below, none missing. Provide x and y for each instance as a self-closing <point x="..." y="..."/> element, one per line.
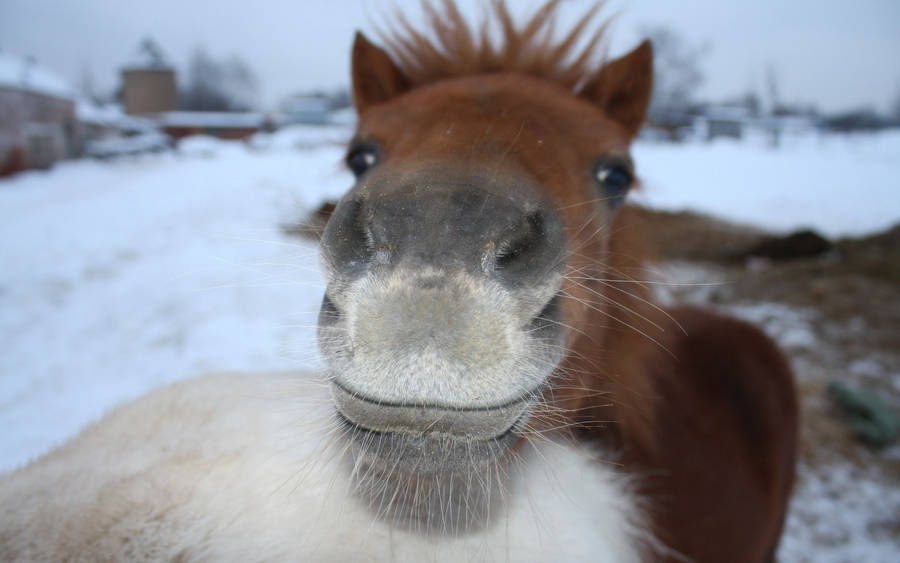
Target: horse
<point x="500" y="382"/>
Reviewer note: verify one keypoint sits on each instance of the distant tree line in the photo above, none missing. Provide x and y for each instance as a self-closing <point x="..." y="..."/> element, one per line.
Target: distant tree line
<point x="678" y="75"/>
<point x="230" y="84"/>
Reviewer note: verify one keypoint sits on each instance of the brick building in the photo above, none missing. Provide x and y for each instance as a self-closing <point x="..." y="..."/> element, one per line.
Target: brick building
<point x="37" y="116"/>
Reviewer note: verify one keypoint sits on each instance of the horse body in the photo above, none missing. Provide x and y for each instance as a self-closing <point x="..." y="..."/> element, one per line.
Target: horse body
<point x="489" y="343"/>
<point x="246" y="468"/>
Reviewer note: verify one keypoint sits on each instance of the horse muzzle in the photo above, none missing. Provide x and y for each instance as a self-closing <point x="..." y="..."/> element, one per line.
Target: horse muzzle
<point x="440" y="325"/>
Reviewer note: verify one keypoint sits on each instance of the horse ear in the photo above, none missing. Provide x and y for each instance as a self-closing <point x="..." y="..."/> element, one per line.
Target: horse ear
<point x="376" y="78"/>
<point x="623" y="86"/>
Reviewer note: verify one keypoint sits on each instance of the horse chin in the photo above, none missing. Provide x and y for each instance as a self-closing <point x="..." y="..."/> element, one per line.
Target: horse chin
<point x="408" y="454"/>
<point x="427" y="481"/>
<point x="434" y="375"/>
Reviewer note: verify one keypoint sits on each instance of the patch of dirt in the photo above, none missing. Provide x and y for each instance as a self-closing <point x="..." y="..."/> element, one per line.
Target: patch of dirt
<point x="686" y="235"/>
<point x="836" y="314"/>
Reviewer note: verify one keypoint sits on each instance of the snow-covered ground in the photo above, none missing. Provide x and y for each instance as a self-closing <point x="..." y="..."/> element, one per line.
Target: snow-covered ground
<point x="838" y="184"/>
<point x="117" y="277"/>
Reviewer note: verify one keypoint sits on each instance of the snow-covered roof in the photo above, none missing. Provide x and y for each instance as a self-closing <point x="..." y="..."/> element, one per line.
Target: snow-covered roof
<point x="306" y="105"/>
<point x="21" y="73"/>
<point x="210" y="119"/>
<point x="110" y="115"/>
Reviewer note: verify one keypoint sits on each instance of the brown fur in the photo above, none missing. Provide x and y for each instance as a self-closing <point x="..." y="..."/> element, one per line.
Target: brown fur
<point x="527" y="49"/>
<point x="701" y="406"/>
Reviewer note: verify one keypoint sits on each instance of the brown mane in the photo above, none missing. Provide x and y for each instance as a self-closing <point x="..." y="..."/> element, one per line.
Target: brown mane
<point x="457" y="49"/>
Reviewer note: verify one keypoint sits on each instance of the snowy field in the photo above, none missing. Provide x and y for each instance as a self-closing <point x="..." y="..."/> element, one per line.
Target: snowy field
<point x="837" y="184"/>
<point x="118" y="277"/>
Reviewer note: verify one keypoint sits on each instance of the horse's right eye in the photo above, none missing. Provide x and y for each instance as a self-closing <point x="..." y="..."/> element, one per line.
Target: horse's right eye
<point x="361" y="158"/>
<point x="614" y="176"/>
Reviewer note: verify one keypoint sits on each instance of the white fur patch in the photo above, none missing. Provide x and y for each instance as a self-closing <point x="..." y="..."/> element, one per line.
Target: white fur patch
<point x="247" y="468"/>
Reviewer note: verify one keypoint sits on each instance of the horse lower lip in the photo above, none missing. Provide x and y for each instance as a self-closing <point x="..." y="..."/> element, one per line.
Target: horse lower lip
<point x="426" y="452"/>
<point x="450" y="437"/>
<point x="521" y="399"/>
<point x="472" y="424"/>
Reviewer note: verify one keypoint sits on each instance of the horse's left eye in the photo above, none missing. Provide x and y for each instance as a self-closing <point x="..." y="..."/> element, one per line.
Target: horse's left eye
<point x="615" y="179"/>
<point x="361" y="158"/>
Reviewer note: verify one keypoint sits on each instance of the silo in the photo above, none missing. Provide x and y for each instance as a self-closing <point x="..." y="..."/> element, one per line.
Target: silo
<point x="149" y="83"/>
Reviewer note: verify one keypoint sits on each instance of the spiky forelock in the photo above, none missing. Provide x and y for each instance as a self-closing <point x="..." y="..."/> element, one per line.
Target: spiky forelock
<point x="458" y="49"/>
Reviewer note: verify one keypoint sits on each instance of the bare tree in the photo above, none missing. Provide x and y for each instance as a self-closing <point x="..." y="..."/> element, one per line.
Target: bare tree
<point x="895" y="110"/>
<point x="750" y="100"/>
<point x="204" y="84"/>
<point x="773" y="88"/>
<point x="677" y="73"/>
<point x="240" y="84"/>
<point x="152" y="54"/>
<point x="214" y="85"/>
<point x="87" y="86"/>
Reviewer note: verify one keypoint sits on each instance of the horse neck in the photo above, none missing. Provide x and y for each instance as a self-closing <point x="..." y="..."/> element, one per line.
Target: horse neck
<point x="608" y="369"/>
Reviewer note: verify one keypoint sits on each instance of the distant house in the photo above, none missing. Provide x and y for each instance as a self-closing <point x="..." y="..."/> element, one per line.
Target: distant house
<point x="148" y="82"/>
<point x="150" y="91"/>
<point x="37" y="116"/>
<point x="224" y="125"/>
<point x="724" y="121"/>
<point x="107" y="132"/>
<point x="669" y="124"/>
<point x="306" y="109"/>
<point x="101" y="122"/>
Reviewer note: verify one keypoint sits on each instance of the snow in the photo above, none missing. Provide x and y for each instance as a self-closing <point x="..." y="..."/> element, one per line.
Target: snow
<point x="299" y="137"/>
<point x="21" y="73"/>
<point x="110" y="115"/>
<point x="120" y="276"/>
<point x="790" y="327"/>
<point x="836" y="514"/>
<point x="130" y="145"/>
<point x="204" y="146"/>
<point x="210" y="119"/>
<point x="838" y="185"/>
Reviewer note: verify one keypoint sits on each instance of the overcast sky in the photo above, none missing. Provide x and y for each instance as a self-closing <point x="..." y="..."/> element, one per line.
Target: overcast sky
<point x="837" y="54"/>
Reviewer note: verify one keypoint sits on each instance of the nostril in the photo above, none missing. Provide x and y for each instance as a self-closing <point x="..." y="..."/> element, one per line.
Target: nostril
<point x="328" y="312"/>
<point x="546" y="323"/>
<point x="358" y="229"/>
<point x="347" y="240"/>
<point x="523" y="243"/>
